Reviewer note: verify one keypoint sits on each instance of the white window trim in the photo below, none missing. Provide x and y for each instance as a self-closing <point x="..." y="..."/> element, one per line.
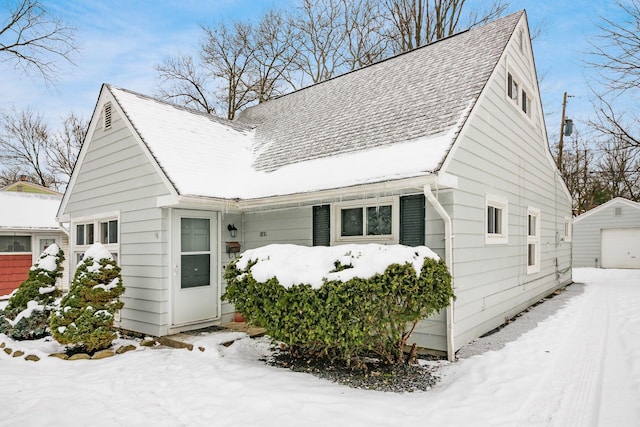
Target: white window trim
<point x="568" y="229"/>
<point x="533" y="240"/>
<point x="96" y="220"/>
<point x="336" y="222"/>
<point x="499" y="203"/>
<point x="522" y="87"/>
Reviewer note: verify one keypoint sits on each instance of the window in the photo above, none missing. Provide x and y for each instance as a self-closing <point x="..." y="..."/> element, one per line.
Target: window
<point x="512" y="88"/>
<point x="367" y="221"/>
<point x="520" y="96"/>
<point x="15" y="243"/>
<point x="84" y="234"/>
<point x="109" y="232"/>
<point x="567" y="229"/>
<point x="496" y="220"/>
<point x="526" y="103"/>
<point x="533" y="240"/>
<point x="103" y="231"/>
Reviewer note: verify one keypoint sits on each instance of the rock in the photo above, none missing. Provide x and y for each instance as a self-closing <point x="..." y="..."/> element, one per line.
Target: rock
<point x="32" y="357"/>
<point x="18" y="353"/>
<point x="80" y="356"/>
<point x="2" y="344"/>
<point x="125" y="348"/>
<point x="62" y="356"/>
<point x="201" y="348"/>
<point x="103" y="354"/>
<point x="8" y="350"/>
<point x="148" y="342"/>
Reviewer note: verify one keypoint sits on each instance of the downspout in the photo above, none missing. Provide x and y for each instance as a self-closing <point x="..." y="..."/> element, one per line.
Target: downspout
<point x="448" y="258"/>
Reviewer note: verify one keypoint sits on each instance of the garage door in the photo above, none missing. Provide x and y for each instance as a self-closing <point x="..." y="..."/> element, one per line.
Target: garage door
<point x="621" y="248"/>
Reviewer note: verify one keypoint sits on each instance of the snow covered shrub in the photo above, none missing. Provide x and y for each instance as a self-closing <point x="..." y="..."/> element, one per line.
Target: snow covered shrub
<point x="40" y="286"/>
<point x="85" y="317"/>
<point x="363" y="302"/>
<point x="27" y="313"/>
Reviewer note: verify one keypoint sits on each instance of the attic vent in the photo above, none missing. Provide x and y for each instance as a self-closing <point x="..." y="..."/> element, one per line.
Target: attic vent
<point x="107" y="115"/>
<point x="521" y="36"/>
<point x="618" y="212"/>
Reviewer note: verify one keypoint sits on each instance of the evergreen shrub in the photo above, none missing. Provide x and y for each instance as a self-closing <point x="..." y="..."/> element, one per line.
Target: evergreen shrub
<point x="343" y="320"/>
<point x="85" y="317"/>
<point x="27" y="313"/>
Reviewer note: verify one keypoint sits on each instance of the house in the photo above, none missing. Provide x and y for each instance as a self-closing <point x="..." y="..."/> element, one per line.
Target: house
<point x="27" y="226"/>
<point x="608" y="236"/>
<point x="443" y="146"/>
<point x="24" y="186"/>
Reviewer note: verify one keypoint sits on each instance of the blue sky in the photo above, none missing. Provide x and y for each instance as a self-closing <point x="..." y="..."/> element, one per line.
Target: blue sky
<point x="123" y="40"/>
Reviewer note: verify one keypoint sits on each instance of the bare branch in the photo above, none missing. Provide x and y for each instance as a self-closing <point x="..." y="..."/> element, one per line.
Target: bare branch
<point x="33" y="40"/>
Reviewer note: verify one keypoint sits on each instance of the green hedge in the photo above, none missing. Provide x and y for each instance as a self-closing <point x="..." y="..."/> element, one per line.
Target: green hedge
<point x="343" y="320"/>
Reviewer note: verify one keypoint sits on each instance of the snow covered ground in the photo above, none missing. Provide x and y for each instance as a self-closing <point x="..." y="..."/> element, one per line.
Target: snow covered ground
<point x="578" y="367"/>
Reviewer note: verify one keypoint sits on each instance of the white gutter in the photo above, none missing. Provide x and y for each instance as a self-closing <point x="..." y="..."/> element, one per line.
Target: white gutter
<point x="448" y="258"/>
<point x="269" y="202"/>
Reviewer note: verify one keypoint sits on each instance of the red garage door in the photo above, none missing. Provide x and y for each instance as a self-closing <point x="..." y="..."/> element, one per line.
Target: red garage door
<point x="14" y="270"/>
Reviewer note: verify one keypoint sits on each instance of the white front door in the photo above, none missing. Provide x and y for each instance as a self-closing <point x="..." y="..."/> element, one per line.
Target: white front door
<point x="195" y="269"/>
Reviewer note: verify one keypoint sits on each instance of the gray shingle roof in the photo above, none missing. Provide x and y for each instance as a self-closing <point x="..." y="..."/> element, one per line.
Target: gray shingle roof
<point x="420" y="93"/>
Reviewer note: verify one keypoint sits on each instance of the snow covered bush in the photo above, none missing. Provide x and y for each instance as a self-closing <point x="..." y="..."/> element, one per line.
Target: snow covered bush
<point x="85" y="317"/>
<point x="27" y="313"/>
<point x="342" y="302"/>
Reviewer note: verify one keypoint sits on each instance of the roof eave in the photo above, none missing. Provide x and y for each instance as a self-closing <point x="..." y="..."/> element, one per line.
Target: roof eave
<point x="396" y="186"/>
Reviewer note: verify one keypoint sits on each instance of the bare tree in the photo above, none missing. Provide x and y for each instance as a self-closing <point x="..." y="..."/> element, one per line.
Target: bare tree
<point x="320" y="28"/>
<point x="185" y="82"/>
<point x="63" y="149"/>
<point x="364" y="29"/>
<point x="615" y="57"/>
<point x="619" y="169"/>
<point x="275" y="51"/>
<point x="23" y="145"/>
<point x="418" y="22"/>
<point x="229" y="51"/>
<point x="32" y="39"/>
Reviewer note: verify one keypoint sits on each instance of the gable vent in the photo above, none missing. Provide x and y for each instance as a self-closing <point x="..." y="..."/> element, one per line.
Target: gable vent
<point x="617" y="212"/>
<point x="107" y="115"/>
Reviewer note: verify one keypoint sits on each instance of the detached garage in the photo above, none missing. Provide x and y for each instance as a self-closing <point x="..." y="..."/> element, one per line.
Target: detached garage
<point x="608" y="236"/>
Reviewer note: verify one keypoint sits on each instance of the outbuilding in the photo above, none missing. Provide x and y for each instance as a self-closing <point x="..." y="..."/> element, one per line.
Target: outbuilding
<point x="608" y="236"/>
<point x="27" y="226"/>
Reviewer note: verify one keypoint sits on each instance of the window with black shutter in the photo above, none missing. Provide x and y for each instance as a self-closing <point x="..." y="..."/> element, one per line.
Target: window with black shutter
<point x="412" y="220"/>
<point x="321" y="225"/>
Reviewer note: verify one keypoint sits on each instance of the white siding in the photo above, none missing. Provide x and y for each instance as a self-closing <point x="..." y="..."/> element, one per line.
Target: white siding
<point x="502" y="153"/>
<point x="117" y="176"/>
<point x="588" y="230"/>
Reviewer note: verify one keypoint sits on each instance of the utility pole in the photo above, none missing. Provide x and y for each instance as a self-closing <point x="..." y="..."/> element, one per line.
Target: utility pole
<point x="561" y="143"/>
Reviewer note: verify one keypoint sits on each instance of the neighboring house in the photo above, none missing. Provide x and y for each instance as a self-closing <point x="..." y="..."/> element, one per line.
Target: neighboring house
<point x="608" y="235"/>
<point x="443" y="146"/>
<point x="24" y="186"/>
<point x="27" y="226"/>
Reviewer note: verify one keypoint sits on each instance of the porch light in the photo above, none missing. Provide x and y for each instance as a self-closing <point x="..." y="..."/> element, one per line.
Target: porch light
<point x="232" y="230"/>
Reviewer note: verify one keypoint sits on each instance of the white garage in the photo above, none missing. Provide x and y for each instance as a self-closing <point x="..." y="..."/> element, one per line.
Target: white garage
<point x="608" y="236"/>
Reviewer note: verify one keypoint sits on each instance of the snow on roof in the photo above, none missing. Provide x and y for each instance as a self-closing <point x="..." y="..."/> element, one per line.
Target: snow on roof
<point x="28" y="210"/>
<point x="392" y="120"/>
<point x="606" y="205"/>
